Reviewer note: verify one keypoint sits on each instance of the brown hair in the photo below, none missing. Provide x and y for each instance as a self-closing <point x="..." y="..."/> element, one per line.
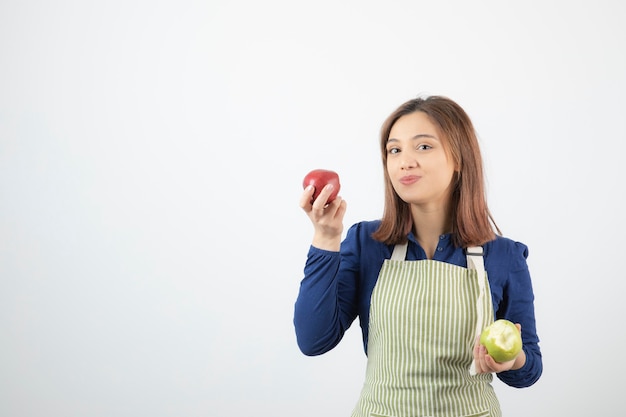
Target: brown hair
<point x="472" y="223"/>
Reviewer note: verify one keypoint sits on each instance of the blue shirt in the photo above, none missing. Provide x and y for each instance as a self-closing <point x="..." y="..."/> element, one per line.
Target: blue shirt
<point x="337" y="287"/>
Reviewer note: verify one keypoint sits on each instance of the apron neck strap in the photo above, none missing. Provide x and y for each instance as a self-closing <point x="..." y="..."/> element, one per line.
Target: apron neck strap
<point x="399" y="252"/>
<point x="475" y="258"/>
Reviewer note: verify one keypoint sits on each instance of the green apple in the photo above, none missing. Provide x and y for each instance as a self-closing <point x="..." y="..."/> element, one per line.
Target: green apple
<point x="502" y="340"/>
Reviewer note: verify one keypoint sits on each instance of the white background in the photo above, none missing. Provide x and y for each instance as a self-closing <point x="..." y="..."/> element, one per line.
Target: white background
<point x="151" y="159"/>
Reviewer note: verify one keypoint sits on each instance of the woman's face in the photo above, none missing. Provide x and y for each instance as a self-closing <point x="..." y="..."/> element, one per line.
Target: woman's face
<point x="419" y="167"/>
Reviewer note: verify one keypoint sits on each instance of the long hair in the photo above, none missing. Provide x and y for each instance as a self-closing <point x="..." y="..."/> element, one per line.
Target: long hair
<point x="472" y="223"/>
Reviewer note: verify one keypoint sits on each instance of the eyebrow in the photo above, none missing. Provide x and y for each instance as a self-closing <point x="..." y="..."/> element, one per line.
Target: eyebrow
<point x="418" y="136"/>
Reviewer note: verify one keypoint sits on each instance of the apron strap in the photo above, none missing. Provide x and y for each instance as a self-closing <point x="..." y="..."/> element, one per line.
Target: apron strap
<point x="475" y="261"/>
<point x="399" y="252"/>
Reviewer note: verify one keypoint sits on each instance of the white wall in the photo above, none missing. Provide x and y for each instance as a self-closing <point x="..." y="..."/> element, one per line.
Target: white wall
<point x="151" y="158"/>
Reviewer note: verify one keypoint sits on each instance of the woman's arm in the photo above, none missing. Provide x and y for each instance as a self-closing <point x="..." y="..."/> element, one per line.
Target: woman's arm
<point x="517" y="305"/>
<point x="325" y="307"/>
<point x="328" y="301"/>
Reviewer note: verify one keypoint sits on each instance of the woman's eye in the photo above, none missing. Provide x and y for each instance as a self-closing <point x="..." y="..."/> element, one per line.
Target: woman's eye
<point x="393" y="150"/>
<point x="424" y="147"/>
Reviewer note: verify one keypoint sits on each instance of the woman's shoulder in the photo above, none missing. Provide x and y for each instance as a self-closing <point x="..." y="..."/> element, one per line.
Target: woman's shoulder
<point x="362" y="232"/>
<point x="364" y="226"/>
<point x="363" y="229"/>
<point x="506" y="251"/>
<point x="360" y="244"/>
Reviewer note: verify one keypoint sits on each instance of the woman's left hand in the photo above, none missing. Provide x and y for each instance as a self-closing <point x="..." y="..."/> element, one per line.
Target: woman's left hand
<point x="486" y="364"/>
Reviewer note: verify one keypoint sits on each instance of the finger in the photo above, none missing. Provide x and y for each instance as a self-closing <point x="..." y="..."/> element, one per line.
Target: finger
<point x="322" y="199"/>
<point x="489" y="363"/>
<point x="341" y="207"/>
<point x="305" y="198"/>
<point x="328" y="211"/>
<point x="476" y="347"/>
<point x="485" y="360"/>
<point x="478" y="367"/>
<point x="493" y="366"/>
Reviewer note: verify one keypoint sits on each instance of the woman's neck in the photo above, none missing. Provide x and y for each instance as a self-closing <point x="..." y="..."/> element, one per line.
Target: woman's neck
<point x="428" y="225"/>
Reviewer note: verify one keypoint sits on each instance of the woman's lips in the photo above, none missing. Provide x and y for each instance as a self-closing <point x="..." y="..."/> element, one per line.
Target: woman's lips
<point x="409" y="179"/>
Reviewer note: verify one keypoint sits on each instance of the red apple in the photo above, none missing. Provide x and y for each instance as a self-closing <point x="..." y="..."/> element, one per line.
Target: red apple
<point x="318" y="178"/>
<point x="502" y="340"/>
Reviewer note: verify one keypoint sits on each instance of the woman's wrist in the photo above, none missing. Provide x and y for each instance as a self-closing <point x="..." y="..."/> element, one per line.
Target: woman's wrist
<point x="520" y="361"/>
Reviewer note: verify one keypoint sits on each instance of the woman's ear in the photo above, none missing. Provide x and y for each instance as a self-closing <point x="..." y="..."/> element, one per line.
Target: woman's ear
<point x="457" y="177"/>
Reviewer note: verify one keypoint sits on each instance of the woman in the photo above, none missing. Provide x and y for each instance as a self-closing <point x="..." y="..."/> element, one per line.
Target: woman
<point x="423" y="280"/>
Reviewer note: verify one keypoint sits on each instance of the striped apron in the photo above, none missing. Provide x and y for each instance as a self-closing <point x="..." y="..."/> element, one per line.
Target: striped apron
<point x="424" y="319"/>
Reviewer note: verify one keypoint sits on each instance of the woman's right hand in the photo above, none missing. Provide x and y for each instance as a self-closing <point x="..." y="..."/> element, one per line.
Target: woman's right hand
<point x="327" y="218"/>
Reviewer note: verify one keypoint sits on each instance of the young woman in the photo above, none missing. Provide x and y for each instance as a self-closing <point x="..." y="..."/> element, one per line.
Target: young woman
<point x="425" y="279"/>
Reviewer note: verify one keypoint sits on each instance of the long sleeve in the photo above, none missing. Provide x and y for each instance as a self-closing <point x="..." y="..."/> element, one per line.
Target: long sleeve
<point x="517" y="305"/>
<point x="323" y="311"/>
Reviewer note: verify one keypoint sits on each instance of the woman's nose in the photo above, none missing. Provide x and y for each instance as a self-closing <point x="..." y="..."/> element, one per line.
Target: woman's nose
<point x="408" y="161"/>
